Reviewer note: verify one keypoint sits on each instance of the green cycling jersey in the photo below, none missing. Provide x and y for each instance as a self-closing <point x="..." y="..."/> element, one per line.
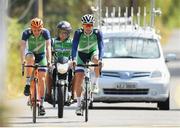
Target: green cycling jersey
<point x="87" y="43"/>
<point x="62" y="48"/>
<point x="36" y="45"/>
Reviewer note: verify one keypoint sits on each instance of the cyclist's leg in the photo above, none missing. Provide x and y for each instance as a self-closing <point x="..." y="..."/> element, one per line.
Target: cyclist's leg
<point x="49" y="83"/>
<point x="79" y="75"/>
<point x="78" y="79"/>
<point x="29" y="61"/>
<point x="70" y="89"/>
<point x="41" y="86"/>
<point x="94" y="59"/>
<point x="41" y="82"/>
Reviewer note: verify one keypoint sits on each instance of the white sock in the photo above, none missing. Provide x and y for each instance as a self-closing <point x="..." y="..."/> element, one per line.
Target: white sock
<point x="28" y="79"/>
<point x="78" y="101"/>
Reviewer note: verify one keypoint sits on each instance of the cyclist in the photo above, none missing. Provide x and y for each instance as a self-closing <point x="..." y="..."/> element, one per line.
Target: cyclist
<point x="36" y="48"/>
<point x="87" y="45"/>
<point x="63" y="42"/>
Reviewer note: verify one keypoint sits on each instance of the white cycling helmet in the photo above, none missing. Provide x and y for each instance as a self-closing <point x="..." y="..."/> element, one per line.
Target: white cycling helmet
<point x="87" y="19"/>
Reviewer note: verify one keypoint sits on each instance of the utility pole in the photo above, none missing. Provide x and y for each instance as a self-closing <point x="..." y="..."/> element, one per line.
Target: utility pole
<point x="152" y="13"/>
<point x="38" y="7"/>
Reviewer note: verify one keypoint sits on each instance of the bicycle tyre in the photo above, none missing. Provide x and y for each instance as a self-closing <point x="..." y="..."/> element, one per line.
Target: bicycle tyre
<point x="86" y="104"/>
<point x="60" y="101"/>
<point x="34" y="103"/>
<point x="54" y="95"/>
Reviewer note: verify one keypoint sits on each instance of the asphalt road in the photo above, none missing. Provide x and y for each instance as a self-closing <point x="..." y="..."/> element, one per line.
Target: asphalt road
<point x="124" y="115"/>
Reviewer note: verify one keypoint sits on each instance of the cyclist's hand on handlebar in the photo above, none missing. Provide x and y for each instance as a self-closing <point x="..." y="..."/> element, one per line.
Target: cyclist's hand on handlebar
<point x="23" y="62"/>
<point x="49" y="64"/>
<point x="74" y="63"/>
<point x="70" y="64"/>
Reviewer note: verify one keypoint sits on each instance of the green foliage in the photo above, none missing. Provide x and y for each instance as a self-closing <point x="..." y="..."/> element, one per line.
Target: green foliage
<point x="14" y="79"/>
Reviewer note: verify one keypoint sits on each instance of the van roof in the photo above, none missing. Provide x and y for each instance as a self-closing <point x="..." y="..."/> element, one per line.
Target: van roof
<point x="130" y="31"/>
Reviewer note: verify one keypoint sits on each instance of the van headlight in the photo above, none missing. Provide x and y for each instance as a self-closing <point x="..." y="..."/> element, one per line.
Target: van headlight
<point x="156" y="74"/>
<point x="62" y="68"/>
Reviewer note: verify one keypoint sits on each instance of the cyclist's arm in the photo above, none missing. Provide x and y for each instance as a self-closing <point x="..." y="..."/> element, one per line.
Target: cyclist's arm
<point x="24" y="38"/>
<point x="75" y="43"/>
<point x="100" y="45"/>
<point x="47" y="37"/>
<point x="48" y="50"/>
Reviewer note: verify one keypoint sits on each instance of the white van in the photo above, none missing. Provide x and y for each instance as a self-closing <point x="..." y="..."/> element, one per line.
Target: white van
<point x="134" y="68"/>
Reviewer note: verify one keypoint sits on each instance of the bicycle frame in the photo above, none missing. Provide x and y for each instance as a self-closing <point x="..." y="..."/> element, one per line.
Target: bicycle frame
<point x="34" y="102"/>
<point x="87" y="92"/>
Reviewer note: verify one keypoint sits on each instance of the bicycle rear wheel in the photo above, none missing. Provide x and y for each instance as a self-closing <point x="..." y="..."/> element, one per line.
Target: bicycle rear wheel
<point x="34" y="103"/>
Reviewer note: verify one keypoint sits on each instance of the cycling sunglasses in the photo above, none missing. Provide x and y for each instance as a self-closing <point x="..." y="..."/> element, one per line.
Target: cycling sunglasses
<point x="88" y="25"/>
<point x="63" y="32"/>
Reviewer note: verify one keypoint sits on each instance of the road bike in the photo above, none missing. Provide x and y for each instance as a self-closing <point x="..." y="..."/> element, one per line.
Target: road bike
<point x="33" y="101"/>
<point x="87" y="89"/>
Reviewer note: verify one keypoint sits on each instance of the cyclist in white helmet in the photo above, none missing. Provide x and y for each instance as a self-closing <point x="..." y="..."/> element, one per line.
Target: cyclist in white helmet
<point x="87" y="45"/>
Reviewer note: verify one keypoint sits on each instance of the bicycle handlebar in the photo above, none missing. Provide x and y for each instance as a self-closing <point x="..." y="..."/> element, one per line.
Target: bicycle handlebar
<point x="87" y="65"/>
<point x="32" y="66"/>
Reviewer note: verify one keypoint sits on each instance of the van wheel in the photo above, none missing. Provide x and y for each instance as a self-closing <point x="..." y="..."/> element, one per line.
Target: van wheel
<point x="163" y="105"/>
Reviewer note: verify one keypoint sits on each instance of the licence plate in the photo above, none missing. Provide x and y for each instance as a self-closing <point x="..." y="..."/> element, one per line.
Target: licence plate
<point x="125" y="85"/>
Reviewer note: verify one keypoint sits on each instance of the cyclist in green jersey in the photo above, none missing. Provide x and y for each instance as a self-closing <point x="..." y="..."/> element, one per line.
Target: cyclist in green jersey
<point x="63" y="45"/>
<point x="36" y="48"/>
<point x="87" y="46"/>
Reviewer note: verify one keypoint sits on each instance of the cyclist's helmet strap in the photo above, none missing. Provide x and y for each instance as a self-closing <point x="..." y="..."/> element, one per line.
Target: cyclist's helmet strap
<point x="87" y="19"/>
<point x="37" y="23"/>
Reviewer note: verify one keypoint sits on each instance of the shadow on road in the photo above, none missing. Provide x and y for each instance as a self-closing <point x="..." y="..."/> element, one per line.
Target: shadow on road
<point x="123" y="108"/>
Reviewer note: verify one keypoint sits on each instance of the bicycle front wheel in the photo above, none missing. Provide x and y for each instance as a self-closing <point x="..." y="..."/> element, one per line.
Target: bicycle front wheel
<point x="86" y="104"/>
<point x="60" y="101"/>
<point x="34" y="103"/>
<point x="54" y="94"/>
